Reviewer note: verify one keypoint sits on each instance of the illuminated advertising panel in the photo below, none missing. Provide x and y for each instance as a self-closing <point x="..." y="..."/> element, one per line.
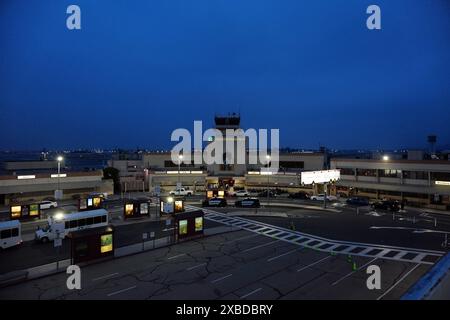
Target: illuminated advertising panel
<point x="96" y="202"/>
<point x="16" y="211"/>
<point x="129" y="209"/>
<point x="183" y="227"/>
<point x="198" y="224"/>
<point x="310" y="177"/>
<point x="144" y="208"/>
<point x="83" y="204"/>
<point x="166" y="207"/>
<point x="106" y="243"/>
<point x="178" y="206"/>
<point x="34" y="210"/>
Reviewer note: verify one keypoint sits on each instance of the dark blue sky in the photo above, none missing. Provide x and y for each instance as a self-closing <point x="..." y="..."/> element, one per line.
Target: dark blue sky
<point x="139" y="69"/>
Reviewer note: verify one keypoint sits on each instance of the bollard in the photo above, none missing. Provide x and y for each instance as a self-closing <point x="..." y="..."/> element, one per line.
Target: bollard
<point x="435" y="222"/>
<point x="354" y="268"/>
<point x="349" y="258"/>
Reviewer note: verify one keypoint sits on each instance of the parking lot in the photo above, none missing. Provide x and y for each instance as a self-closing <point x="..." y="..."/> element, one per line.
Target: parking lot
<point x="235" y="265"/>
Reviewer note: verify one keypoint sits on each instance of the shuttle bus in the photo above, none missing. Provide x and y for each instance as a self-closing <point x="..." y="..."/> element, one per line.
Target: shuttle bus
<point x="65" y="223"/>
<point x="10" y="234"/>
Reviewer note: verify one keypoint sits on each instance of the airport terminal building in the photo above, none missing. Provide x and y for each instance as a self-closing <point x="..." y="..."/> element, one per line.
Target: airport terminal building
<point x="418" y="182"/>
<point x="38" y="179"/>
<point x="145" y="171"/>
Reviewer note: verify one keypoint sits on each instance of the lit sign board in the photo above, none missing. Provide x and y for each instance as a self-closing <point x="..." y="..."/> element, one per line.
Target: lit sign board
<point x="198" y="224"/>
<point x="129" y="209"/>
<point x="34" y="210"/>
<point x="183" y="227"/>
<point x="167" y="207"/>
<point x="106" y="243"/>
<point x="442" y="183"/>
<point x="16" y="211"/>
<point x="144" y="208"/>
<point x="62" y="175"/>
<point x="26" y="177"/>
<point x="310" y="177"/>
<point x="178" y="206"/>
<point x="97" y="202"/>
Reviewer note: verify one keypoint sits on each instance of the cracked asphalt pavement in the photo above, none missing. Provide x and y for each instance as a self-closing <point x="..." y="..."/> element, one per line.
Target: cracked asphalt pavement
<point x="234" y="265"/>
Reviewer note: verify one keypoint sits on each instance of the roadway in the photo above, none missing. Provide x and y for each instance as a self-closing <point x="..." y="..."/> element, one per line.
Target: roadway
<point x="339" y="223"/>
<point x="235" y="265"/>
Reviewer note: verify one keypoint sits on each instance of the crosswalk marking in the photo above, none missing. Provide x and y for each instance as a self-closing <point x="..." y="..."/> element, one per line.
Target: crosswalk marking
<point x="372" y="251"/>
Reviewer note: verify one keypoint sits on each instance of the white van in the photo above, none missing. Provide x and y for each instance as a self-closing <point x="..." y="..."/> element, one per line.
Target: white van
<point x="71" y="222"/>
<point x="10" y="234"/>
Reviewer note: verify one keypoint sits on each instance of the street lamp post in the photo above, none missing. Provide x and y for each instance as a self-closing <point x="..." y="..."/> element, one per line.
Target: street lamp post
<point x="268" y="178"/>
<point x="59" y="159"/>
<point x="180" y="157"/>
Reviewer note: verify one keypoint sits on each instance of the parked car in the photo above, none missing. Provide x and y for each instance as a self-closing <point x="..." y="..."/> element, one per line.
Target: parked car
<point x="357" y="201"/>
<point x="299" y="195"/>
<point x="389" y="205"/>
<point x="215" y="202"/>
<point x="264" y="194"/>
<point x="181" y="192"/>
<point x="248" y="203"/>
<point x="240" y="193"/>
<point x="321" y="197"/>
<point x="47" y="204"/>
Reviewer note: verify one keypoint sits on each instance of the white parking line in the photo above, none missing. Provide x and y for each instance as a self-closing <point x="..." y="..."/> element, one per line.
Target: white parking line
<point x="260" y="246"/>
<point x="348" y="275"/>
<point x="242" y="238"/>
<point x="194" y="267"/>
<point x="400" y="280"/>
<point x="282" y="255"/>
<point x="178" y="255"/>
<point x="120" y="291"/>
<point x="107" y="276"/>
<point x="222" y="278"/>
<point x="313" y="264"/>
<point x="250" y="293"/>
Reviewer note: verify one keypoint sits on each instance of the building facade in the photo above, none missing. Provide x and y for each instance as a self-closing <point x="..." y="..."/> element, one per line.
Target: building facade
<point x="157" y="168"/>
<point x="418" y="182"/>
<point x="17" y="188"/>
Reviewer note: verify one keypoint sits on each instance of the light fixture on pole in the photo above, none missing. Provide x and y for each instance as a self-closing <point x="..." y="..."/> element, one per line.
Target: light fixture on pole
<point x="180" y="158"/>
<point x="58" y="194"/>
<point x="268" y="176"/>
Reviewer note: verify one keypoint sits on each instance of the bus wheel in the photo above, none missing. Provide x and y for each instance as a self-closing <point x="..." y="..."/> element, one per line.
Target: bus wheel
<point x="44" y="240"/>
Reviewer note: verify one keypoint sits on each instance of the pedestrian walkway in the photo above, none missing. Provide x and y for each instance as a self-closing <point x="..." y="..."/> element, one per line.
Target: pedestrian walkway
<point x="412" y="255"/>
